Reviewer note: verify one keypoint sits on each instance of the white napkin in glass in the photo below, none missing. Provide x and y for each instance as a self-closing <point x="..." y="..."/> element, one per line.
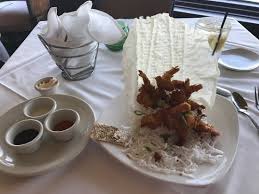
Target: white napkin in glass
<point x="80" y="27"/>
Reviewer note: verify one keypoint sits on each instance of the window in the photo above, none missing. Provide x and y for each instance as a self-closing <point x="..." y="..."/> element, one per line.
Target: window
<point x="242" y="10"/>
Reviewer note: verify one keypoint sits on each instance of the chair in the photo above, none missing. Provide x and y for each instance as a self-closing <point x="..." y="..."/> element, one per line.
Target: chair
<point x="21" y="15"/>
<point x="67" y="5"/>
<point x="132" y="8"/>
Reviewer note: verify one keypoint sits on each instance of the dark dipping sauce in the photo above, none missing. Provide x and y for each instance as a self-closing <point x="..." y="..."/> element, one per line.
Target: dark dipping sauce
<point x="25" y="136"/>
<point x="63" y="125"/>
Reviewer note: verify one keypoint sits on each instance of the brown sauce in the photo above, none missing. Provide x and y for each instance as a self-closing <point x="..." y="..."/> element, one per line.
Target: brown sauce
<point x="63" y="125"/>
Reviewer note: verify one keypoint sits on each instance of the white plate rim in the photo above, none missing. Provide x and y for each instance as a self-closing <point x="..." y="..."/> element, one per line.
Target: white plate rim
<point x="105" y="146"/>
<point x="55" y="164"/>
<point x="223" y="64"/>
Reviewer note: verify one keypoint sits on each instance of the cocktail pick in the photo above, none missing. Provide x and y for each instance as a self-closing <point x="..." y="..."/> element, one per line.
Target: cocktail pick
<point x="220" y="33"/>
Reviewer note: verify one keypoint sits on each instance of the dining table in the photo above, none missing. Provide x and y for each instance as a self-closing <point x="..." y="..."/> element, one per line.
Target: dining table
<point x="94" y="171"/>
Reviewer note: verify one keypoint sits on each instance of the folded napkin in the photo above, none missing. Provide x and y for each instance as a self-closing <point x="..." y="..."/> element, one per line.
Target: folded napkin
<point x="80" y="27"/>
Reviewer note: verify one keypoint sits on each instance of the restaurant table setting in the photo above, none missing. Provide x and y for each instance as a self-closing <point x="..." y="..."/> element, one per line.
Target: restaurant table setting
<point x="77" y="164"/>
<point x="73" y="38"/>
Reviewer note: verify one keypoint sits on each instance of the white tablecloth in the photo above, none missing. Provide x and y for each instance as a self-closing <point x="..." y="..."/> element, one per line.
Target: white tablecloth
<point x="94" y="171"/>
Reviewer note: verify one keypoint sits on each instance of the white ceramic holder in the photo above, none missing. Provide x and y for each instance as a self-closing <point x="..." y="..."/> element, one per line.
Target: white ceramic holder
<point x="39" y="108"/>
<point x="58" y="116"/>
<point x="19" y="127"/>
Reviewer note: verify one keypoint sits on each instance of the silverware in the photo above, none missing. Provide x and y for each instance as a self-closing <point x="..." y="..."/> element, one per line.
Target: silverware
<point x="223" y="92"/>
<point x="240" y="102"/>
<point x="242" y="107"/>
<point x="256" y="97"/>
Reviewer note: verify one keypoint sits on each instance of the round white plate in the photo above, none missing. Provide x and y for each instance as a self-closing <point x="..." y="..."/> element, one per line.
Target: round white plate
<point x="51" y="154"/>
<point x="223" y="116"/>
<point x="239" y="59"/>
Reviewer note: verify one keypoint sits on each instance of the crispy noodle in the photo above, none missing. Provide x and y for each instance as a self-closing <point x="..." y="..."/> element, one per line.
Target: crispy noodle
<point x="183" y="160"/>
<point x="154" y="45"/>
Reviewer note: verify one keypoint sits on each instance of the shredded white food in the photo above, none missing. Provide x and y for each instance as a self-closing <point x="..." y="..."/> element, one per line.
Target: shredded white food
<point x="156" y="149"/>
<point x="170" y="158"/>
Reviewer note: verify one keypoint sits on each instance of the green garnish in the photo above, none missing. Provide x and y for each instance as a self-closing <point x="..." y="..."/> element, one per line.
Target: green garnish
<point x="165" y="137"/>
<point x="161" y="103"/>
<point x="138" y="112"/>
<point x="148" y="148"/>
<point x="189" y="113"/>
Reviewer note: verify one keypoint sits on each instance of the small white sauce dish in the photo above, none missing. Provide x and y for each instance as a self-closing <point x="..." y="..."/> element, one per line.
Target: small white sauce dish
<point x="25" y="144"/>
<point x="47" y="85"/>
<point x="62" y="124"/>
<point x="39" y="108"/>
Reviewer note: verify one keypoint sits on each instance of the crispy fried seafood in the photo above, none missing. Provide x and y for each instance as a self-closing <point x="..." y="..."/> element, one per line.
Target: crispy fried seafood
<point x="172" y="107"/>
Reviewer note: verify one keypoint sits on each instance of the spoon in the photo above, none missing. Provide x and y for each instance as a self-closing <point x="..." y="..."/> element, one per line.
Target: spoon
<point x="223" y="92"/>
<point x="242" y="107"/>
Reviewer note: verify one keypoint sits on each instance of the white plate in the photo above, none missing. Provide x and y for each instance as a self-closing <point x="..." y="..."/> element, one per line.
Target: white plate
<point x="223" y="116"/>
<point x="51" y="154"/>
<point x="239" y="59"/>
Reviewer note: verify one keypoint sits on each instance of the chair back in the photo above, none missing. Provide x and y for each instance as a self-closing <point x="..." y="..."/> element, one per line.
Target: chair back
<point x="38" y="9"/>
<point x="132" y="8"/>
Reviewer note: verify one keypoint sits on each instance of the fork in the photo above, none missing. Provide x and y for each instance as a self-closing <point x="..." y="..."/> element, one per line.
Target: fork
<point x="256" y="97"/>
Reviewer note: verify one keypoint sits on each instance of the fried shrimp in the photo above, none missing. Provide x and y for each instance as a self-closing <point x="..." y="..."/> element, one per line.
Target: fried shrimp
<point x="148" y="95"/>
<point x="169" y="74"/>
<point x="178" y="112"/>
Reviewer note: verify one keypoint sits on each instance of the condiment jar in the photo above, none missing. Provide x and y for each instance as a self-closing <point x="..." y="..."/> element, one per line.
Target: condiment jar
<point x="47" y="85"/>
<point x="57" y="127"/>
<point x="26" y="143"/>
<point x="39" y="108"/>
